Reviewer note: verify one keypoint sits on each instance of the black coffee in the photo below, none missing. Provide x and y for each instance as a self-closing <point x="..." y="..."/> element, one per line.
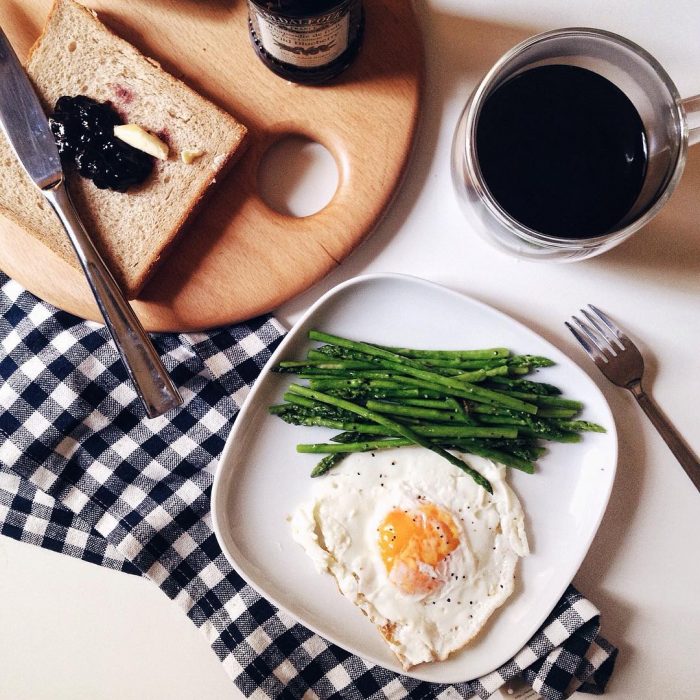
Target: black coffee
<point x="562" y="150"/>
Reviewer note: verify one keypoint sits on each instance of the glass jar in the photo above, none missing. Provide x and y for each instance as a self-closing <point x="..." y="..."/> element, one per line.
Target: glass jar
<point x="306" y="41"/>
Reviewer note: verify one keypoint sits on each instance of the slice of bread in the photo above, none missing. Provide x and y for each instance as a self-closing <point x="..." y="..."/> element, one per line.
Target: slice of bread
<point x="78" y="55"/>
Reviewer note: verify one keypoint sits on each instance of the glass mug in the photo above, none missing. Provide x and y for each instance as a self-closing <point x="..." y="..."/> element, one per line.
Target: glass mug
<point x="671" y="125"/>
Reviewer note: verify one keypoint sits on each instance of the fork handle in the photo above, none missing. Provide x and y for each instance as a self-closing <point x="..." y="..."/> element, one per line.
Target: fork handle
<point x="671" y="436"/>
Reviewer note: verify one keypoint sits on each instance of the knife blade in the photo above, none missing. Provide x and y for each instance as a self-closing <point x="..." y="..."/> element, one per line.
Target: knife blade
<point x="26" y="127"/>
<point x="24" y="123"/>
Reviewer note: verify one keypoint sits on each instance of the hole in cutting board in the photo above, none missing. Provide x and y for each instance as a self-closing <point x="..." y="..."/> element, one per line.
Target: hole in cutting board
<point x="297" y="176"/>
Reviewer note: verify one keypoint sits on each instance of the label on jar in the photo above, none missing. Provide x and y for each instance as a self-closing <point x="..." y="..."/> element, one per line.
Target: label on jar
<point x="304" y="42"/>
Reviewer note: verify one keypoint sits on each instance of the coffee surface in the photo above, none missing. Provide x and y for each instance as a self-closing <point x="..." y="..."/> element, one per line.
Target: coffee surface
<point x="563" y="150"/>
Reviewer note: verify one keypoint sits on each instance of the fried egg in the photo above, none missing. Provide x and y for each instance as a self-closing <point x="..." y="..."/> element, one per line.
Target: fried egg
<point x="416" y="544"/>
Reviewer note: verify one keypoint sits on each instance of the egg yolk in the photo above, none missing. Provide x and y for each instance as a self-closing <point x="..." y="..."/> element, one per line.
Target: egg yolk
<point x="412" y="544"/>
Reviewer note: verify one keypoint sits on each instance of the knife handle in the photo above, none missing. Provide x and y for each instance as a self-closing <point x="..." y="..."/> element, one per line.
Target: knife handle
<point x="153" y="384"/>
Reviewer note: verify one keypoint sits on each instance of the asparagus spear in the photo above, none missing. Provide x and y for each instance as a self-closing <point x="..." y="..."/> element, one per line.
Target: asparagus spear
<point x="431" y="414"/>
<point x="580" y="425"/>
<point x="402" y="430"/>
<point x="357" y="357"/>
<point x="485" y="354"/>
<point x="342" y="448"/>
<point x="469" y="391"/>
<point x="515" y="363"/>
<point x="327" y="463"/>
<point x="509" y="459"/>
<point x="544" y="400"/>
<point x="354" y="436"/>
<point x="295" y="366"/>
<point x="527" y="385"/>
<point x="364" y="446"/>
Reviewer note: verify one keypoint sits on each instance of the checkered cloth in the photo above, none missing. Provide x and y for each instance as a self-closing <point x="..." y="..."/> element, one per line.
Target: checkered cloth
<point x="83" y="473"/>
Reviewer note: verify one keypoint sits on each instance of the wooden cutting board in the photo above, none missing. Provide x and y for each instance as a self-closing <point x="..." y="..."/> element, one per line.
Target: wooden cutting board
<point x="239" y="258"/>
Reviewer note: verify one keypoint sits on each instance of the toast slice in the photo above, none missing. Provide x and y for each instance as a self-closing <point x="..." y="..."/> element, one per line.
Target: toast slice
<point x="78" y="55"/>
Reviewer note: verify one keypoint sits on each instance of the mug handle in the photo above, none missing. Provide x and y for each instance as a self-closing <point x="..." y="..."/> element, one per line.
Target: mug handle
<point x="691" y="108"/>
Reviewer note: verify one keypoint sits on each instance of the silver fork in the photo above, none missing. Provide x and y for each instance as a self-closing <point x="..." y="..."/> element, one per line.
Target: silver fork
<point x="618" y="358"/>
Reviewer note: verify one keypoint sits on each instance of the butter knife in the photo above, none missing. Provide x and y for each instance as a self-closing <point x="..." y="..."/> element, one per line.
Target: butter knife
<point x="23" y="121"/>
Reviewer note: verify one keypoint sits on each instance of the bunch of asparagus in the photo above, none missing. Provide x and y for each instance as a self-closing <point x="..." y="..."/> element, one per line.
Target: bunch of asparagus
<point x="474" y="401"/>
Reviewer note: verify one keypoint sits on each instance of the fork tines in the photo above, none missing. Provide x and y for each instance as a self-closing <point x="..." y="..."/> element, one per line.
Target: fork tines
<point x="600" y="337"/>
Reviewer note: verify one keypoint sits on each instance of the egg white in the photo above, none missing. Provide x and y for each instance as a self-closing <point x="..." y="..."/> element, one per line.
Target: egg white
<point x="338" y="528"/>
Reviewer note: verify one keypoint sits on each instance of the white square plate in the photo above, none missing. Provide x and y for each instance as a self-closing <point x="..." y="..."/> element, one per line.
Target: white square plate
<point x="261" y="478"/>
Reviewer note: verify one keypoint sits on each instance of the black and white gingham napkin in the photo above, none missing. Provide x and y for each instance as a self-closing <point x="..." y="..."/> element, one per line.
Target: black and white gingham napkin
<point x="83" y="473"/>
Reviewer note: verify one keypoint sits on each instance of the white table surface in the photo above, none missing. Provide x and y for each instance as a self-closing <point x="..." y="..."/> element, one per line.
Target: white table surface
<point x="71" y="630"/>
